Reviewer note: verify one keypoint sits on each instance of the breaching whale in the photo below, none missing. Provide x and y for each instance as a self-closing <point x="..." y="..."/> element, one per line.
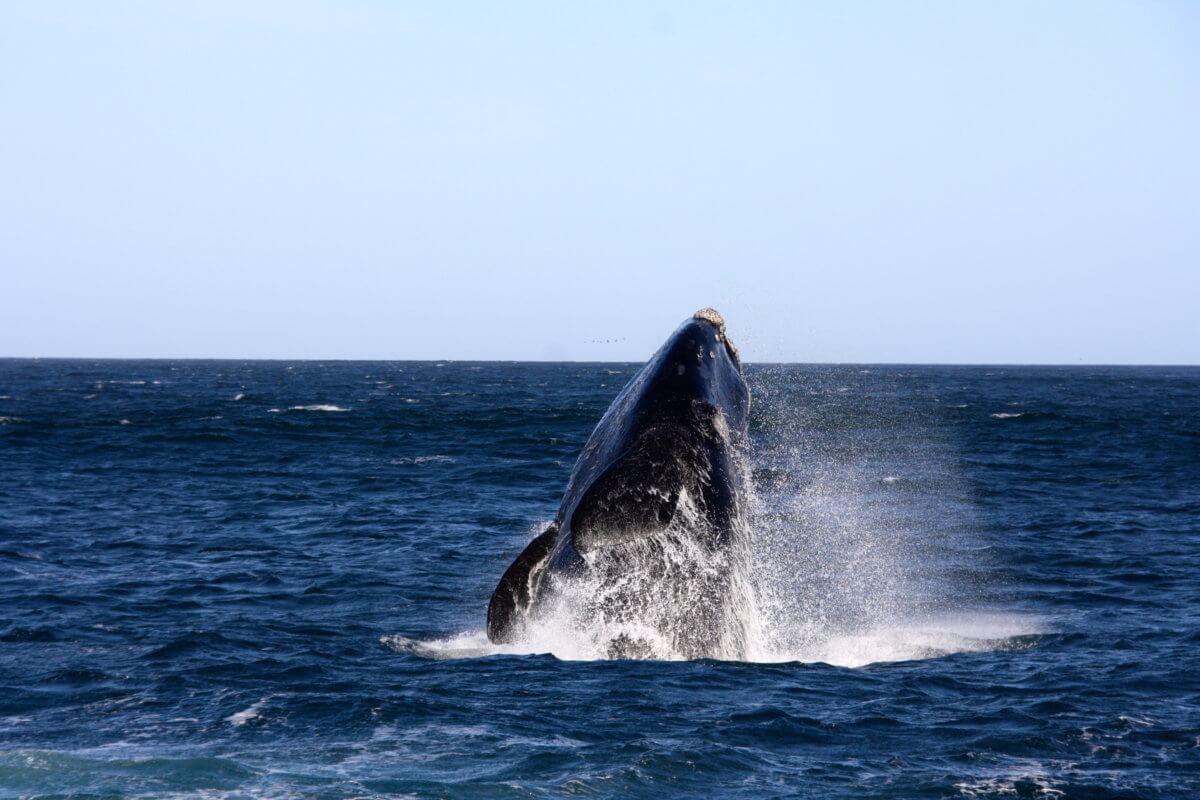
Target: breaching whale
<point x="651" y="523"/>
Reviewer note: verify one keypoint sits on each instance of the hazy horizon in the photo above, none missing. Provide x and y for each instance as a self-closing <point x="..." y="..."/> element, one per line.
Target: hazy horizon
<point x="637" y="362"/>
<point x="849" y="184"/>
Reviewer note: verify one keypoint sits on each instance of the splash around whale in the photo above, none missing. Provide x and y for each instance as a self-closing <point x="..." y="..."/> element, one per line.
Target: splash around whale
<point x="647" y="548"/>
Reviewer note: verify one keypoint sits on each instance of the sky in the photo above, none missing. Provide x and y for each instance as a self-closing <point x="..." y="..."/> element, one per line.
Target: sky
<point x="945" y="182"/>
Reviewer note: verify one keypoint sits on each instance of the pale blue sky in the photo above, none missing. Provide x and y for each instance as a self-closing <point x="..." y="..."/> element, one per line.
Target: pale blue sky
<point x="921" y="182"/>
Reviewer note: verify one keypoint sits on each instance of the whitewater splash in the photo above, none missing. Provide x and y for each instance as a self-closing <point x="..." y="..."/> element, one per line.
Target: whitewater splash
<point x="858" y="546"/>
<point x="666" y="595"/>
<point x="821" y="581"/>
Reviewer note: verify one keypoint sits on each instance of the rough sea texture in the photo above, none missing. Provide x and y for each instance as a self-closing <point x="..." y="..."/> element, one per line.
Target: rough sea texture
<point x="269" y="579"/>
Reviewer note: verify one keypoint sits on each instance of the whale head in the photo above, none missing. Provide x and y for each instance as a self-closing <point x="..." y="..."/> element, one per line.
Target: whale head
<point x="663" y="471"/>
<point x="672" y="434"/>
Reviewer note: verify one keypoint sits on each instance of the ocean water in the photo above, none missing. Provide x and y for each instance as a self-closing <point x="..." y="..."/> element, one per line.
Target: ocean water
<point x="269" y="579"/>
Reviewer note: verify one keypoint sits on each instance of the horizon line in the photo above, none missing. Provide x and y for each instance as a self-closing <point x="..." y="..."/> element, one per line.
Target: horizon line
<point x="625" y="363"/>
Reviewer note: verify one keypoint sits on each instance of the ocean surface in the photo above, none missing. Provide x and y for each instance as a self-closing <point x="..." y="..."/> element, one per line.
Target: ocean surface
<point x="269" y="579"/>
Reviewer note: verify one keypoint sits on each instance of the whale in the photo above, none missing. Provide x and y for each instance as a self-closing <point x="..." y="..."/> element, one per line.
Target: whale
<point x="651" y="527"/>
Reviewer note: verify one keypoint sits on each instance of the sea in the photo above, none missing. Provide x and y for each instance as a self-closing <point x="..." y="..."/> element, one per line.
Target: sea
<point x="229" y="579"/>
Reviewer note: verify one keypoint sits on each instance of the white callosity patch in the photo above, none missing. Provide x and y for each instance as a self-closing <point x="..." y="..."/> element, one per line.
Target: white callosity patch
<point x="711" y="315"/>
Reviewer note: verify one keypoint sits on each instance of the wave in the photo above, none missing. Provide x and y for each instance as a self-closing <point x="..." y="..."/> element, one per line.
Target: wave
<point x="434" y="459"/>
<point x="123" y="764"/>
<point x="1030" y="781"/>
<point x="240" y="718"/>
<point x="1007" y="415"/>
<point x="315" y="407"/>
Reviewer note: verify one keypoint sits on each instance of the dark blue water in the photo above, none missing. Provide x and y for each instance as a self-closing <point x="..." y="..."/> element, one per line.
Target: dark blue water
<point x="969" y="582"/>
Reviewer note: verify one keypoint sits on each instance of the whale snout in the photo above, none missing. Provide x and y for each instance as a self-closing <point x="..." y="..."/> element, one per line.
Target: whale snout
<point x="711" y="316"/>
<point x="698" y="363"/>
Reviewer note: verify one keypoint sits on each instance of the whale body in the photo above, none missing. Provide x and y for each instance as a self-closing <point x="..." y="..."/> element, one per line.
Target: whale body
<point x="651" y="523"/>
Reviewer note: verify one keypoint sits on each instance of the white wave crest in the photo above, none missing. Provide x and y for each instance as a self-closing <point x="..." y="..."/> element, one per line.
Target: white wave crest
<point x="240" y="718"/>
<point x="434" y="459"/>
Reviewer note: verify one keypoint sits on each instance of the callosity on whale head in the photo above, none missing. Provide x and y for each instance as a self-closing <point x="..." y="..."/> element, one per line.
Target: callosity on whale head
<point x="665" y="457"/>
